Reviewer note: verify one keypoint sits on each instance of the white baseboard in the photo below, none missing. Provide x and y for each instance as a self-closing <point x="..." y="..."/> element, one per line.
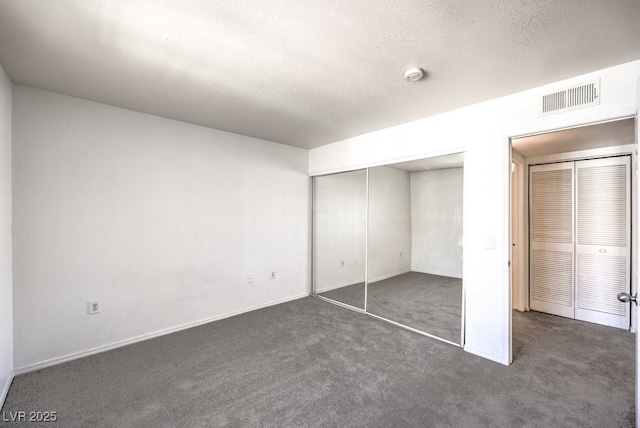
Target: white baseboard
<point x="447" y="274"/>
<point x="335" y="287"/>
<point x="5" y="388"/>
<point x="104" y="348"/>
<point x="379" y="278"/>
<point x="389" y="275"/>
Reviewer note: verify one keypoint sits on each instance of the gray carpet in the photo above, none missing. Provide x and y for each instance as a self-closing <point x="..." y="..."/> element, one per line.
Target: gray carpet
<point x="428" y="303"/>
<point x="309" y="363"/>
<point x="352" y="295"/>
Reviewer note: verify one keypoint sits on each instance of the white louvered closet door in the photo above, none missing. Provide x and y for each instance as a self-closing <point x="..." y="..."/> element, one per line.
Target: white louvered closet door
<point x="603" y="240"/>
<point x="551" y="238"/>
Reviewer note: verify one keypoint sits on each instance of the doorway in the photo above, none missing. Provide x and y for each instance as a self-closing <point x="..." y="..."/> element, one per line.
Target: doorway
<point x="557" y="151"/>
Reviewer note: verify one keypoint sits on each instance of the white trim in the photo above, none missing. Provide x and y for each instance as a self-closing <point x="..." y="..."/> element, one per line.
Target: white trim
<point x="338" y="303"/>
<point x="119" y="344"/>
<point x="634" y="254"/>
<point x="564" y="124"/>
<point x="487" y="356"/>
<point x="625" y="149"/>
<point x="634" y="230"/>
<point x="391" y="161"/>
<point x="446" y="274"/>
<point x="366" y="240"/>
<point x="387" y="276"/>
<point x="508" y="241"/>
<point x="463" y="314"/>
<point x="517" y="235"/>
<point x="5" y="388"/>
<point x="312" y="237"/>
<point x="335" y="287"/>
<point x="415" y="330"/>
<point x="515" y="156"/>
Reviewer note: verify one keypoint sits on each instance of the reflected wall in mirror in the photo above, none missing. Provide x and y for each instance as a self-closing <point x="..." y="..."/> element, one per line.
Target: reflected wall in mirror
<point x="339" y="237"/>
<point x="415" y="245"/>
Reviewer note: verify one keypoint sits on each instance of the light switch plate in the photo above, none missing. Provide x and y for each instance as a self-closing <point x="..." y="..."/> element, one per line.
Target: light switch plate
<point x="490" y="242"/>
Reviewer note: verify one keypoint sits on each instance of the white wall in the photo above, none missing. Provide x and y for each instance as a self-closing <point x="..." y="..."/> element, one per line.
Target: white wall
<point x="436" y="217"/>
<point x="160" y="220"/>
<point x="482" y="131"/>
<point x="6" y="299"/>
<point x="389" y="240"/>
<point x="339" y="224"/>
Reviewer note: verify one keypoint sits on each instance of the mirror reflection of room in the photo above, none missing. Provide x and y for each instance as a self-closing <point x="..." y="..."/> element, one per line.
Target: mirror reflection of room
<point x="339" y="249"/>
<point x="415" y="245"/>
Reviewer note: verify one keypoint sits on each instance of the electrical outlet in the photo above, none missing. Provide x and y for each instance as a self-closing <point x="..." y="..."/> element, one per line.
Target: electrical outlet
<point x="272" y="274"/>
<point x="93" y="307"/>
<point x="249" y="279"/>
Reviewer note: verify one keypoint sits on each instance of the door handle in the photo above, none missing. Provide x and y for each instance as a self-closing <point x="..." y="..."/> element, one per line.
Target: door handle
<point x="626" y="298"/>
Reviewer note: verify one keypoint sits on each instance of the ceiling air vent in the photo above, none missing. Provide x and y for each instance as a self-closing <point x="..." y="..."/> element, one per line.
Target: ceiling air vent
<point x="572" y="98"/>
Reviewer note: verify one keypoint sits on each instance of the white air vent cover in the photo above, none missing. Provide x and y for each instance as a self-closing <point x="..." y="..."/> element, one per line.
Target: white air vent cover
<point x="571" y="98"/>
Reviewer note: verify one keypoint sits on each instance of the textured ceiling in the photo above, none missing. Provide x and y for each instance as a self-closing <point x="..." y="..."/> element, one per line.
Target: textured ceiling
<point x="307" y="73"/>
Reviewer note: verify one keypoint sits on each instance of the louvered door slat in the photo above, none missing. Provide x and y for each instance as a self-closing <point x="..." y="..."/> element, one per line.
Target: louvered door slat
<point x="552" y="277"/>
<point x="552" y="205"/>
<point x="600" y="280"/>
<point x="602" y="240"/>
<point x="602" y="213"/>
<point x="551" y="239"/>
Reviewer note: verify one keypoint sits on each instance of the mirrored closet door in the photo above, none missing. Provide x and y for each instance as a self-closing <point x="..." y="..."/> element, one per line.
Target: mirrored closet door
<point x="413" y="223"/>
<point x="339" y="237"/>
<point x="415" y="245"/>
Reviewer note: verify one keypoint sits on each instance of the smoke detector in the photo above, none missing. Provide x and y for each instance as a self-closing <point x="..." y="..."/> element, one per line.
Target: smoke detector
<point x="413" y="74"/>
